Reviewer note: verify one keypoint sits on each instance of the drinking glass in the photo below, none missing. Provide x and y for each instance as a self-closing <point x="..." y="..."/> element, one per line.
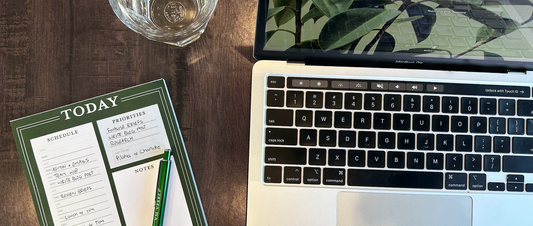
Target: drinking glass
<point x="175" y="22"/>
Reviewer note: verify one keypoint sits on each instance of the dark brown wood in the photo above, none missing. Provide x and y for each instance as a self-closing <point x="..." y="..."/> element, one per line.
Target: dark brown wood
<point x="57" y="52"/>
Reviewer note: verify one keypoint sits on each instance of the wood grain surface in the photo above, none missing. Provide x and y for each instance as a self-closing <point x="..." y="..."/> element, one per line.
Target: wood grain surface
<point x="57" y="52"/>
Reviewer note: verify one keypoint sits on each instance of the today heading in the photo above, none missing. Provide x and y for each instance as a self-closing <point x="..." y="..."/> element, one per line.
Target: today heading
<point x="89" y="108"/>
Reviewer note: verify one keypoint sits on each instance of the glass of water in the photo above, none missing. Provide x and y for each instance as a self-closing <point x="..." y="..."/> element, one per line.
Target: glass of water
<point x="175" y="22"/>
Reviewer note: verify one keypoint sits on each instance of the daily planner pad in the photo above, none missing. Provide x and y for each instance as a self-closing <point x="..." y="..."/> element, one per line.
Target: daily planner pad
<point x="96" y="162"/>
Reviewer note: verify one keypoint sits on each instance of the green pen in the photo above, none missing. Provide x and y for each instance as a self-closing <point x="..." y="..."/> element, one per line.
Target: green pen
<point x="161" y="190"/>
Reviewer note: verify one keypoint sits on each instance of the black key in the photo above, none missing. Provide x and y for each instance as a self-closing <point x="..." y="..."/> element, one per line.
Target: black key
<point x="343" y="119"/>
<point x="275" y="98"/>
<point x="317" y="156"/>
<point x="477" y="181"/>
<point x="292" y="175"/>
<point x="275" y="82"/>
<point x="502" y="144"/>
<point x="469" y="105"/>
<point x="304" y="118"/>
<point x="435" y="161"/>
<point x="478" y="124"/>
<point x="347" y="139"/>
<point x="460" y="124"/>
<point x="492" y="163"/>
<point x="372" y="101"/>
<point x="392" y="102"/>
<point x="456" y="181"/>
<point x="386" y="140"/>
<point x="515" y="187"/>
<point x="356" y="158"/>
<point x="314" y="99"/>
<point x="514" y="178"/>
<point x="415" y="160"/>
<point x="529" y="187"/>
<point x="334" y="176"/>
<point x="483" y="144"/>
<point x="431" y="104"/>
<point x="507" y="107"/>
<point x="487" y="106"/>
<point x="516" y="126"/>
<point x="295" y="99"/>
<point x="395" y="159"/>
<point x="406" y="141"/>
<point x="463" y="143"/>
<point x="323" y="119"/>
<point x="421" y="122"/>
<point x="281" y="136"/>
<point x="425" y="141"/>
<point x="441" y="123"/>
<point x="333" y="100"/>
<point x="308" y="137"/>
<point x="497" y="125"/>
<point x="395" y="179"/>
<point x="327" y="138"/>
<point x="337" y="157"/>
<point x="279" y="117"/>
<point x="496" y="186"/>
<point x="272" y="174"/>
<point x="517" y="164"/>
<point x="529" y="126"/>
<point x="282" y="155"/>
<point x="473" y="162"/>
<point x="353" y="101"/>
<point x="312" y="175"/>
<point x="401" y="122"/>
<point x="523" y="145"/>
<point x="362" y="120"/>
<point x="525" y="108"/>
<point x="382" y="121"/>
<point x="450" y="104"/>
<point x="411" y="103"/>
<point x="444" y="142"/>
<point x="376" y="159"/>
<point x="454" y="162"/>
<point x="366" y="139"/>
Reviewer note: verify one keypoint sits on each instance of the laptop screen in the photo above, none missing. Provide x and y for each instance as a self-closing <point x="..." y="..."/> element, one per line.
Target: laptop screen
<point x="452" y="34"/>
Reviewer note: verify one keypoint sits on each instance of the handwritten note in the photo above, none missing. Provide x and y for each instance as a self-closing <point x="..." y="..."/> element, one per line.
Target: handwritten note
<point x="133" y="135"/>
<point x="75" y="178"/>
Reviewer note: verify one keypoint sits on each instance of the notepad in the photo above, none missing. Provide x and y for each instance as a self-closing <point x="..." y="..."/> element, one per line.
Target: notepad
<point x="95" y="162"/>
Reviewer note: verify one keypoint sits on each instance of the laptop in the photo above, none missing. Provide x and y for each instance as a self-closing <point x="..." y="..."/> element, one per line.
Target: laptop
<point x="404" y="113"/>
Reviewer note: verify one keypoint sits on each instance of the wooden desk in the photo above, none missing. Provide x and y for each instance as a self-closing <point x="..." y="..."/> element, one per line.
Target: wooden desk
<point x="57" y="52"/>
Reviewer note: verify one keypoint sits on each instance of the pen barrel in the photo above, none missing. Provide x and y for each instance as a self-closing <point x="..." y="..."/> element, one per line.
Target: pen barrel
<point x="161" y="192"/>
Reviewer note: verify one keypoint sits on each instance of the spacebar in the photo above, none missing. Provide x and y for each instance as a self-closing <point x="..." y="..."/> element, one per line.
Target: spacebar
<point x="396" y="179"/>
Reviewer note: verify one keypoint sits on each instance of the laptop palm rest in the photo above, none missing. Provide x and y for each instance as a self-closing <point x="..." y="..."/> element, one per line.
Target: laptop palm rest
<point x="373" y="209"/>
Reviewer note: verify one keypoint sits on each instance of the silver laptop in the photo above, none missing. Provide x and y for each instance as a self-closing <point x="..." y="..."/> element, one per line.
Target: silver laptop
<point x="408" y="113"/>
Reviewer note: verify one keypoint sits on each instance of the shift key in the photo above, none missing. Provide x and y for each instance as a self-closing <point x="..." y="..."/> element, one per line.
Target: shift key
<point x="282" y="155"/>
<point x="281" y="136"/>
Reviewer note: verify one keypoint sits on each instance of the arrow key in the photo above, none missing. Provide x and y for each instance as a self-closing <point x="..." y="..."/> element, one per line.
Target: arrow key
<point x="496" y="186"/>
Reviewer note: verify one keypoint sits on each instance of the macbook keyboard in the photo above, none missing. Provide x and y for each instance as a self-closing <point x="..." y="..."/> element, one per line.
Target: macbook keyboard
<point x="397" y="134"/>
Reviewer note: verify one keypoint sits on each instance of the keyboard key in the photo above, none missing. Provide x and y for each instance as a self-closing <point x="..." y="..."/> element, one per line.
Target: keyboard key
<point x="300" y="83"/>
<point x="421" y="122"/>
<point x="356" y="158"/>
<point x="406" y="141"/>
<point x="496" y="186"/>
<point x="283" y="155"/>
<point x="473" y="162"/>
<point x="314" y="100"/>
<point x="312" y="175"/>
<point x="523" y="145"/>
<point x="529" y="126"/>
<point x="517" y="164"/>
<point x="502" y="144"/>
<point x="478" y="124"/>
<point x="334" y="176"/>
<point x="415" y="160"/>
<point x="515" y="187"/>
<point x="337" y="157"/>
<point x="445" y="142"/>
<point x="292" y="175"/>
<point x="275" y="98"/>
<point x="463" y="143"/>
<point x="395" y="179"/>
<point x="529" y="187"/>
<point x="401" y="122"/>
<point x="525" y="108"/>
<point x="323" y="119"/>
<point x="441" y="123"/>
<point x="295" y="99"/>
<point x="516" y="126"/>
<point x="487" y="106"/>
<point x="343" y="119"/>
<point x="469" y="105"/>
<point x="392" y="102"/>
<point x="425" y="141"/>
<point x="450" y="104"/>
<point x="275" y="82"/>
<point x="411" y="103"/>
<point x="281" y="136"/>
<point x="386" y="140"/>
<point x="376" y="159"/>
<point x="492" y="163"/>
<point x="318" y="83"/>
<point x="372" y="101"/>
<point x="431" y="104"/>
<point x="362" y="120"/>
<point x="514" y="178"/>
<point x="304" y="118"/>
<point x="454" y="162"/>
<point x="435" y="161"/>
<point x="366" y="139"/>
<point x="477" y="181"/>
<point x="353" y="101"/>
<point x="327" y="138"/>
<point x="333" y="100"/>
<point x="317" y="156"/>
<point x="483" y="144"/>
<point x="272" y="174"/>
<point x="395" y="159"/>
<point x="456" y="181"/>
<point x="497" y="125"/>
<point x="460" y="124"/>
<point x="507" y="107"/>
<point x="382" y="121"/>
<point x="340" y="84"/>
<point x="279" y="117"/>
<point x="308" y="137"/>
<point x="347" y="139"/>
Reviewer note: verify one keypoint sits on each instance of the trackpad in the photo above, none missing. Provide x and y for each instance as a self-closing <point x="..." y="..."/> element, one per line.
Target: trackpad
<point x="373" y="209"/>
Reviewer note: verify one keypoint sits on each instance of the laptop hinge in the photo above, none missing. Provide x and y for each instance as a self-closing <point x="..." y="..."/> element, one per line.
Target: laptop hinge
<point x="518" y="72"/>
<point x="295" y="62"/>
